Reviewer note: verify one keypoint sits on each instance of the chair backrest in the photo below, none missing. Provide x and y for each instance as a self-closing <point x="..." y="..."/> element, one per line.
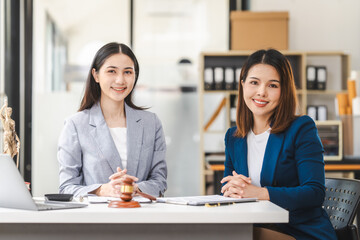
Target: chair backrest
<point x="341" y="200"/>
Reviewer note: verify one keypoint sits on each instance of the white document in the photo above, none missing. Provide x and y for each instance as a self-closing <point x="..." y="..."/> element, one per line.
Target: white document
<point x="97" y="199"/>
<point x="202" y="200"/>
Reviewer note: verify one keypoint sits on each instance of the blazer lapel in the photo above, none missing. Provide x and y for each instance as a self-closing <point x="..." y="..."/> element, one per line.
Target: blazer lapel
<point x="240" y="153"/>
<point x="271" y="156"/>
<point x="103" y="138"/>
<point x="134" y="139"/>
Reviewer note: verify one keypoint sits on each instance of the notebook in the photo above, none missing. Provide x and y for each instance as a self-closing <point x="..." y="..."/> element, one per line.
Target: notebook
<point x="204" y="200"/>
<point x="14" y="193"/>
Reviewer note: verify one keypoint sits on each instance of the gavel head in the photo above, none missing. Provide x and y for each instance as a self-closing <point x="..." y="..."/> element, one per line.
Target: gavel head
<point x="127" y="189"/>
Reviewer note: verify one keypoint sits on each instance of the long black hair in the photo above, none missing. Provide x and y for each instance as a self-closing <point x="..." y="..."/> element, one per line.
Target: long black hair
<point x="92" y="90"/>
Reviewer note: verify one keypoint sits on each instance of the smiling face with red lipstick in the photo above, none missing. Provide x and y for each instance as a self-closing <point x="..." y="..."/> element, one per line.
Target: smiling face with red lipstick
<point x="262" y="91"/>
<point x="267" y="94"/>
<point x="116" y="78"/>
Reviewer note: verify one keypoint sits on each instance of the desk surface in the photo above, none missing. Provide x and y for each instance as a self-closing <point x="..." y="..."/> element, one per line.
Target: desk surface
<point x="254" y="212"/>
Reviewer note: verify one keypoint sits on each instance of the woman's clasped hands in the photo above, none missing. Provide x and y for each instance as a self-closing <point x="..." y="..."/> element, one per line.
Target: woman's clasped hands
<point x="113" y="187"/>
<point x="239" y="186"/>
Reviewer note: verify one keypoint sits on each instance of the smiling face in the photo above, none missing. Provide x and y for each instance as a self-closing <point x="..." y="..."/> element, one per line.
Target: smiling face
<point x="261" y="91"/>
<point x="116" y="78"/>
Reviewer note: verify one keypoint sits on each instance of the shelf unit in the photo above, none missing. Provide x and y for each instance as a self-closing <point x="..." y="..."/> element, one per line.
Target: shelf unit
<point x="338" y="69"/>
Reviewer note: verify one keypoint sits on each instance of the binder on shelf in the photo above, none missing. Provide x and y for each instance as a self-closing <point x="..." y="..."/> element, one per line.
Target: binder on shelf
<point x="322" y="113"/>
<point x="219" y="78"/>
<point x="317" y="113"/>
<point x="237" y="77"/>
<point x="229" y="78"/>
<point x="310" y="77"/>
<point x="311" y="112"/>
<point x="208" y="79"/>
<point x="321" y="77"/>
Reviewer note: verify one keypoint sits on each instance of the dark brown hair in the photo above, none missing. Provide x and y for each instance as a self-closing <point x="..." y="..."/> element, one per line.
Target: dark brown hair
<point x="285" y="112"/>
<point x="92" y="90"/>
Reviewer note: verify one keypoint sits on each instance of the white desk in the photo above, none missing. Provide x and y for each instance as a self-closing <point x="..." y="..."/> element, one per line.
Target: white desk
<point x="151" y="221"/>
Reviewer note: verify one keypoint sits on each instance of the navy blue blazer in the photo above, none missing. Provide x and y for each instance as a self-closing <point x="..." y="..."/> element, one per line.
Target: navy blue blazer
<point x="293" y="172"/>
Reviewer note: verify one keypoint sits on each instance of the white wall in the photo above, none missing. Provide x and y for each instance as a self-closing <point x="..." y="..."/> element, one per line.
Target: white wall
<point x="165" y="32"/>
<point x="320" y="25"/>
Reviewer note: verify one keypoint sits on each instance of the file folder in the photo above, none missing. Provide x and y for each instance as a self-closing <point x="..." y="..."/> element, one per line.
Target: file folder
<point x="219" y="78"/>
<point x="311" y="77"/>
<point x="311" y="112"/>
<point x="229" y="78"/>
<point x="208" y="79"/>
<point x="202" y="200"/>
<point x="317" y="113"/>
<point x="321" y="78"/>
<point x="322" y="113"/>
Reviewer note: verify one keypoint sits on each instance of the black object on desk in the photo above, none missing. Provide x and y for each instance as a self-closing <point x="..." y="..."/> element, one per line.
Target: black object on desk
<point x="59" y="197"/>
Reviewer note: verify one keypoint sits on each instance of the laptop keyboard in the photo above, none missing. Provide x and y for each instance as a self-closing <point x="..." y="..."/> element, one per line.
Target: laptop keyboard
<point x="47" y="206"/>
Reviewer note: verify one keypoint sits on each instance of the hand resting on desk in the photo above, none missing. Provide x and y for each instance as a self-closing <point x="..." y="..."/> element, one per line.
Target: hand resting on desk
<point x="112" y="188"/>
<point x="239" y="186"/>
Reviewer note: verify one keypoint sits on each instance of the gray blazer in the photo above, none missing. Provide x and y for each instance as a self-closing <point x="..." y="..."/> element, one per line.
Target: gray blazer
<point x="88" y="156"/>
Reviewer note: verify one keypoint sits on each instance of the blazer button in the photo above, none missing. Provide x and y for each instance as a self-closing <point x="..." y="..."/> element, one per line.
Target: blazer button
<point x="275" y="184"/>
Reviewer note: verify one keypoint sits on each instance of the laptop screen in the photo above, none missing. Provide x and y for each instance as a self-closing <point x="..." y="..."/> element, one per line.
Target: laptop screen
<point x="13" y="190"/>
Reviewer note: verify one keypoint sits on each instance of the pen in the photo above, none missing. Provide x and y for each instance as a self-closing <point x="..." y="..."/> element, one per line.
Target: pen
<point x="218" y="204"/>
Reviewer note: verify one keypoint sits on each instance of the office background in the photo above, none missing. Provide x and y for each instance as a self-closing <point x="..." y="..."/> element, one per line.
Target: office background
<point x="66" y="34"/>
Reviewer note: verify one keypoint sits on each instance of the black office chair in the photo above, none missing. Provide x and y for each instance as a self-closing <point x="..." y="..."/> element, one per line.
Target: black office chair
<point x="341" y="204"/>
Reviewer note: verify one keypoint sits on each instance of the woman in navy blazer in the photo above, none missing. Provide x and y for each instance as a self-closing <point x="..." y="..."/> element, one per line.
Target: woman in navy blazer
<point x="110" y="131"/>
<point x="272" y="154"/>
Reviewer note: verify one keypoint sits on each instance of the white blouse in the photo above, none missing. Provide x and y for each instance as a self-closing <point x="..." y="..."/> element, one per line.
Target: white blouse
<point x="120" y="139"/>
<point x="256" y="145"/>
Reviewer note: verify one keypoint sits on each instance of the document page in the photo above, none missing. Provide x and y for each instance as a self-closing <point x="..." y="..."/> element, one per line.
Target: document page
<point x="202" y="200"/>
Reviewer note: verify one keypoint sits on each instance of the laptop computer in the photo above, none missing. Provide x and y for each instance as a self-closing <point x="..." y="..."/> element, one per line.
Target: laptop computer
<point x="14" y="193"/>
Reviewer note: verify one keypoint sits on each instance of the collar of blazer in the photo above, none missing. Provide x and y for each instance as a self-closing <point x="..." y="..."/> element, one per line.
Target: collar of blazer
<point x="271" y="156"/>
<point x="105" y="143"/>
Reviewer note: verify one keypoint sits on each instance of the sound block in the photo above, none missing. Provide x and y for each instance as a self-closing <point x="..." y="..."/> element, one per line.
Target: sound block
<point x="123" y="204"/>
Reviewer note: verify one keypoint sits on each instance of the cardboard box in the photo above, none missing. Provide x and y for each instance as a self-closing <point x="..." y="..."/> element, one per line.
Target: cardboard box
<point x="259" y="30"/>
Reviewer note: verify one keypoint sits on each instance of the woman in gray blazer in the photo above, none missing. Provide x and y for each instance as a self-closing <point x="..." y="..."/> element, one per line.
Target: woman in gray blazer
<point x="110" y="137"/>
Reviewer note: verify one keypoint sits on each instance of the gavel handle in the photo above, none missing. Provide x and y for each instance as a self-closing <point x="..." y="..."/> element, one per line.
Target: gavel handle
<point x="145" y="195"/>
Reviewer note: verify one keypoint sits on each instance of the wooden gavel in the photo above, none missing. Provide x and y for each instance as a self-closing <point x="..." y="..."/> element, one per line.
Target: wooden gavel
<point x="127" y="190"/>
